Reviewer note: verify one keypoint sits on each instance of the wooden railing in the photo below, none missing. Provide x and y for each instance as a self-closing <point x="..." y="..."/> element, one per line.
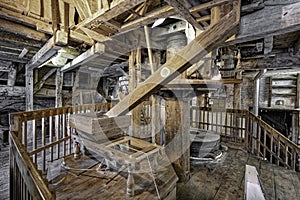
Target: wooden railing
<point x="38" y="137"/>
<point x="266" y="142"/>
<point x="49" y="139"/>
<point x="229" y="123"/>
<point x="243" y="128"/>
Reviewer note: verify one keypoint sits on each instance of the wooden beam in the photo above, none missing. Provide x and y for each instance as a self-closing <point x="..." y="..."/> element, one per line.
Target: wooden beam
<point x="40" y="84"/>
<point x="167" y="11"/>
<point x="94" y="35"/>
<point x="83" y="9"/>
<point x="205" y="42"/>
<point x="208" y="5"/>
<point x="5" y="57"/>
<point x="29" y="89"/>
<point x="269" y="21"/>
<point x="55" y="15"/>
<point x="81" y="37"/>
<point x="58" y="88"/>
<point x="48" y="50"/>
<point x="23" y="19"/>
<point x="11" y="27"/>
<point x="184" y="12"/>
<point x="204" y="18"/>
<point x="106" y="14"/>
<point x="96" y="50"/>
<point x="275" y="61"/>
<point x="149" y="18"/>
<point x="268" y="44"/>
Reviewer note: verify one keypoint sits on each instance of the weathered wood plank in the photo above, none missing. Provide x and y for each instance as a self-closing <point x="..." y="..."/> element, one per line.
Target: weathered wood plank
<point x="205" y="42"/>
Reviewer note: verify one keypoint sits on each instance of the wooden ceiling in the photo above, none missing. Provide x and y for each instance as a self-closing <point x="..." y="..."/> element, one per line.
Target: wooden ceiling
<point x="34" y="31"/>
<point x="26" y="26"/>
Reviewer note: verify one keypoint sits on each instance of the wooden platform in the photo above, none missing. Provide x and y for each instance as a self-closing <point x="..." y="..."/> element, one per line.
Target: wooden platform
<point x="225" y="180"/>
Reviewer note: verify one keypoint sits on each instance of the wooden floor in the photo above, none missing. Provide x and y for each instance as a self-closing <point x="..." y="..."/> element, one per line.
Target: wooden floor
<point x="92" y="184"/>
<point x="225" y="180"/>
<point x="222" y="180"/>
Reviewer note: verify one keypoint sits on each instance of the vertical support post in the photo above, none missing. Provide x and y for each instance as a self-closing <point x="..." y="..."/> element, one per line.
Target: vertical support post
<point x="135" y="78"/>
<point x="256" y="102"/>
<point x="297" y="103"/>
<point x="29" y="89"/>
<point x="12" y="74"/>
<point x="177" y="128"/>
<point x="29" y="98"/>
<point x="270" y="92"/>
<point x="58" y="89"/>
<point x="237" y="106"/>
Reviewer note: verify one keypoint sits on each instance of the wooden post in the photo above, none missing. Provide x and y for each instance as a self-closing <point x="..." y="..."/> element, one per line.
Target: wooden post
<point x="12" y="76"/>
<point x="270" y="92"/>
<point x="297" y="103"/>
<point x="58" y="89"/>
<point x="236" y="106"/>
<point x="177" y="129"/>
<point x="29" y="98"/>
<point x="29" y="89"/>
<point x="135" y="77"/>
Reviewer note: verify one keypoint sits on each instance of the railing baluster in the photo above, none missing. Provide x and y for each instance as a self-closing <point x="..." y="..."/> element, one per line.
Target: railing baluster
<point x="278" y="151"/>
<point x="34" y="136"/>
<point x="25" y="131"/>
<point x="58" y="128"/>
<point x="265" y="143"/>
<point x="51" y="133"/>
<point x="43" y="141"/>
<point x="258" y="139"/>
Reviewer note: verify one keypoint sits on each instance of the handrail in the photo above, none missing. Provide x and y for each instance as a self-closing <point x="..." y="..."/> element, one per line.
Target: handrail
<point x="52" y="123"/>
<point x="36" y="185"/>
<point x="277" y="133"/>
<point x="244" y="128"/>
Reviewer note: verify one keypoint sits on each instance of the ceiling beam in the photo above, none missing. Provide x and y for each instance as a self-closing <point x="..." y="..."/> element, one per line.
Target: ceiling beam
<point x="11" y="40"/>
<point x="12" y="27"/>
<point x="116" y="8"/>
<point x="83" y="8"/>
<point x="208" y="40"/>
<point x="184" y="12"/>
<point x="95" y="51"/>
<point x="26" y="20"/>
<point x="167" y="11"/>
<point x="48" y="50"/>
<point x="208" y="5"/>
<point x="6" y="57"/>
